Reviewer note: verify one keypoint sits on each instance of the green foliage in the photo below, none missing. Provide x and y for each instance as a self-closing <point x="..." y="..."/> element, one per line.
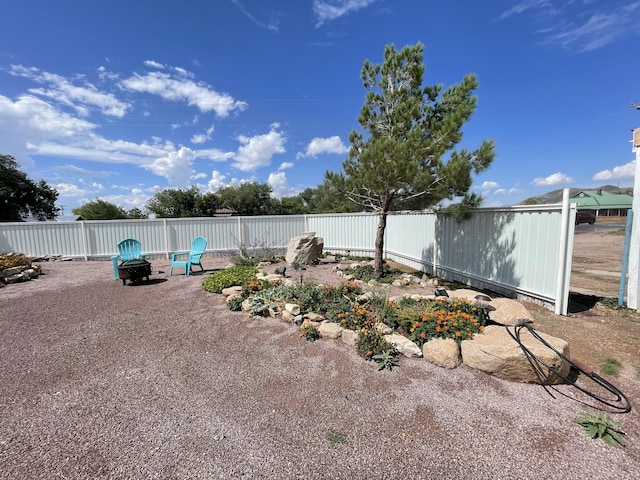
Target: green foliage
<point x="228" y="277"/>
<point x="309" y="332"/>
<point x="136" y="213"/>
<point x="248" y="199"/>
<point x="356" y="318"/>
<point x="235" y="304"/>
<point x="597" y="425"/>
<point x="336" y="437"/>
<point x="407" y="158"/>
<point x="611" y="366"/>
<point x="176" y="203"/>
<point x="371" y="343"/>
<point x="423" y="319"/>
<point x="99" y="209"/>
<point x="259" y="251"/>
<point x="367" y="273"/>
<point x="386" y="360"/>
<point x="611" y="302"/>
<point x="21" y="196"/>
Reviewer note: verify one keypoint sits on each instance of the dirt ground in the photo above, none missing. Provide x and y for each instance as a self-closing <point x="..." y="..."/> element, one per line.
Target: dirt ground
<point x="161" y="380"/>
<point x="596" y="332"/>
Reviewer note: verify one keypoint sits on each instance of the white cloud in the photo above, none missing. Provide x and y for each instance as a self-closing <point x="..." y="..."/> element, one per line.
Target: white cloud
<point x="285" y="165"/>
<point x="202" y="137"/>
<point x="553" y="179"/>
<point x="319" y="146"/>
<point x="184" y="90"/>
<point x="81" y="98"/>
<point x="328" y="10"/>
<point x="579" y="26"/>
<point x="489" y="185"/>
<point x="279" y="185"/>
<point x="500" y="191"/>
<point x="153" y="64"/>
<point x="270" y="24"/>
<point x="257" y="151"/>
<point x="218" y="181"/>
<point x="176" y="167"/>
<point x="623" y="171"/>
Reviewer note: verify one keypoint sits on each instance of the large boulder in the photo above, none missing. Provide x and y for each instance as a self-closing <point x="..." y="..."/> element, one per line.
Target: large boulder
<point x="304" y="249"/>
<point x="443" y="352"/>
<point x="497" y="352"/>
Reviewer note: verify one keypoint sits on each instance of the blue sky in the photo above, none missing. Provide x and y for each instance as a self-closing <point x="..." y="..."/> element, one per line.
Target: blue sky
<point x="119" y="99"/>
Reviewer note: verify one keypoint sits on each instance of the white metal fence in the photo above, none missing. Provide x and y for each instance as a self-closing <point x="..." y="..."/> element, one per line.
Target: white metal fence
<point x="517" y="251"/>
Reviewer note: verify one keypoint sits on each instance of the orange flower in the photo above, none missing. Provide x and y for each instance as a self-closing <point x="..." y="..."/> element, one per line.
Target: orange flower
<point x="438" y="329"/>
<point x="423" y="335"/>
<point x="458" y="333"/>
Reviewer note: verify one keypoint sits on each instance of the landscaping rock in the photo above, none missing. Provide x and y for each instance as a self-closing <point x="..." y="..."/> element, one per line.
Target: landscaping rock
<point x="497" y="353"/>
<point x="508" y="312"/>
<point x="232" y="290"/>
<point x="292" y="308"/>
<point x="330" y="330"/>
<point x="444" y="352"/>
<point x="314" y="317"/>
<point x="350" y="337"/>
<point x="403" y="345"/>
<point x="305" y="249"/>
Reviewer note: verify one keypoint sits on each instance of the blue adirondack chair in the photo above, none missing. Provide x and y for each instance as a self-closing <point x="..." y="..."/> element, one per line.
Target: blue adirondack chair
<point x="128" y="249"/>
<point x="193" y="257"/>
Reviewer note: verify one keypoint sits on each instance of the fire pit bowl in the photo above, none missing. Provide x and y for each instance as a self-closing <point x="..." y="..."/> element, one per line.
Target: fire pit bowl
<point x="134" y="270"/>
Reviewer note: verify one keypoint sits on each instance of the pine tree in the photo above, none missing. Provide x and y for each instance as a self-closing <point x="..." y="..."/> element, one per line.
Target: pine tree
<point x="408" y="156"/>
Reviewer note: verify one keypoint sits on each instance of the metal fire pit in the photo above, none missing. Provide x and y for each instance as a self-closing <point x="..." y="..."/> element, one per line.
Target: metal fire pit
<point x="134" y="270"/>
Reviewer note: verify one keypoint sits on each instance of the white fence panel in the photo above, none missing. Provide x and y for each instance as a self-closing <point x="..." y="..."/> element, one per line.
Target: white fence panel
<point x="346" y="233"/>
<point x="410" y="239"/>
<point x="514" y="250"/>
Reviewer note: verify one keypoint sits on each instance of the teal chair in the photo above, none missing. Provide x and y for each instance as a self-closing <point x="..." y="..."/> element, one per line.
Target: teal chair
<point x="186" y="259"/>
<point x="128" y="249"/>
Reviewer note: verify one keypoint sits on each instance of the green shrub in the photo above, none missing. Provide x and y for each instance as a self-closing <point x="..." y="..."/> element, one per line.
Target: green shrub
<point x="235" y="304"/>
<point x="254" y="253"/>
<point x="367" y="272"/>
<point x="229" y="277"/>
<point x="309" y="332"/>
<point x="371" y="343"/>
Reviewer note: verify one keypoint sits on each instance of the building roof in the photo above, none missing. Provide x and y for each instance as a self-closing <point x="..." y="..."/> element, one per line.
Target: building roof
<point x="601" y="199"/>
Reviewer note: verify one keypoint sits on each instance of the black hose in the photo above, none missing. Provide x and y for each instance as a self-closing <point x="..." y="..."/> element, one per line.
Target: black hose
<point x="620" y="403"/>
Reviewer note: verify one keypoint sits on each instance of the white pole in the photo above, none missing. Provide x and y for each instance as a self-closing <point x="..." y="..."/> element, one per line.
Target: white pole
<point x="633" y="286"/>
<point x="561" y="283"/>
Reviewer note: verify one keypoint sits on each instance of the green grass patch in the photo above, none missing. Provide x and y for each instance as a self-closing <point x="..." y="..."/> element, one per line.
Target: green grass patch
<point x="611" y="366"/>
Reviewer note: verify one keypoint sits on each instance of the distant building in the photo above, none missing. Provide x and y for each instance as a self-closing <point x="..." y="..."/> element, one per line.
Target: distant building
<point x="603" y="203"/>
<point x="69" y="218"/>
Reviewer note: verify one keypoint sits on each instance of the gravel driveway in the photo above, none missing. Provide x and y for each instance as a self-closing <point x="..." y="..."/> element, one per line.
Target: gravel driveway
<point x="160" y="380"/>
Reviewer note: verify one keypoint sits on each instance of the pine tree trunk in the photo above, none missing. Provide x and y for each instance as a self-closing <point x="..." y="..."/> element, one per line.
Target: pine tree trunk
<point x="382" y="225"/>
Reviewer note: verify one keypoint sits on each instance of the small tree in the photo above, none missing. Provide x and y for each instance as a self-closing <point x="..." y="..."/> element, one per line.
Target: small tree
<point x="99" y="209"/>
<point x="21" y="197"/>
<point x="401" y="162"/>
<point x="176" y="203"/>
<point x="248" y="199"/>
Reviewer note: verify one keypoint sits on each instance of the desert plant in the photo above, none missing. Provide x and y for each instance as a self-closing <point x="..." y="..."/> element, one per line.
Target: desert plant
<point x="386" y="360"/>
<point x="367" y="272"/>
<point x="254" y="253"/>
<point x="309" y="332"/>
<point x="229" y="277"/>
<point x="235" y="304"/>
<point x="370" y="343"/>
<point x="336" y="437"/>
<point x="357" y="317"/>
<point x="610" y="366"/>
<point x="597" y="425"/>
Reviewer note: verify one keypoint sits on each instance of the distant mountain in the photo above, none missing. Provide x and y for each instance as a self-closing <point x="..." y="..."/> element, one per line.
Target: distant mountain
<point x="555" y="196"/>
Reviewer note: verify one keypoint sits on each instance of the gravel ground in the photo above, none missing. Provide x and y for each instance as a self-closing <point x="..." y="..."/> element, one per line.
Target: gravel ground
<point x="160" y="380"/>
